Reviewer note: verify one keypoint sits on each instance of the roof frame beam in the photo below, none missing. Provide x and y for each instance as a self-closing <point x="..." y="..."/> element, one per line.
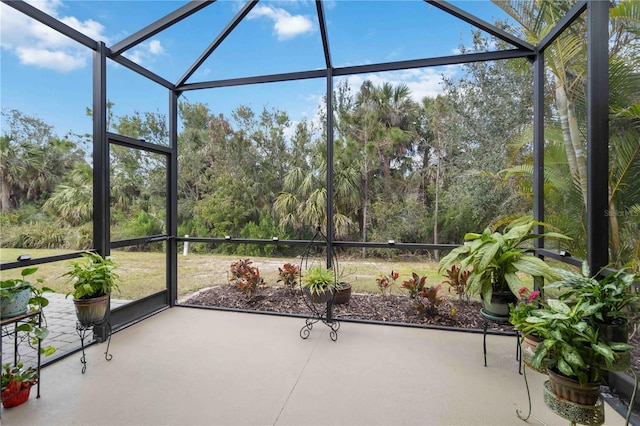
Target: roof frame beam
<point x="323" y="32"/>
<point x="360" y="69"/>
<point x="481" y="24"/>
<point x="221" y="37"/>
<point x="568" y="19"/>
<point x="52" y="23"/>
<point x="160" y="25"/>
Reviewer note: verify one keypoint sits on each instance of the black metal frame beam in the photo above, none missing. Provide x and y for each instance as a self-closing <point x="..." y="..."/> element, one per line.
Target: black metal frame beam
<point x="221" y="37"/>
<point x="322" y="22"/>
<point x="142" y="71"/>
<point x="360" y="69"/>
<point x="573" y="14"/>
<point x="52" y="23"/>
<point x="597" y="134"/>
<point x="480" y="24"/>
<point x="158" y="26"/>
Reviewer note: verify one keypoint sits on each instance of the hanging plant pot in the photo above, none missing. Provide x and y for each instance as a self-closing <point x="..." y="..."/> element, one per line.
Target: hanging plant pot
<point x="343" y="294"/>
<point x="572" y="390"/>
<point x="498" y="306"/>
<point x="15" y="304"/>
<point x="91" y="311"/>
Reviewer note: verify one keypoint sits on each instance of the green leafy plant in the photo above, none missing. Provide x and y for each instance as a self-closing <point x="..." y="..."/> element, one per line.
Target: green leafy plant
<point x="571" y="345"/>
<point x="16" y="378"/>
<point x="612" y="294"/>
<point x="528" y="302"/>
<point x="317" y="279"/>
<point x="386" y="282"/>
<point x="37" y="302"/>
<point x="93" y="276"/>
<point x="457" y="280"/>
<point x="289" y="275"/>
<point x="496" y="258"/>
<point x="244" y="276"/>
<point x="424" y="299"/>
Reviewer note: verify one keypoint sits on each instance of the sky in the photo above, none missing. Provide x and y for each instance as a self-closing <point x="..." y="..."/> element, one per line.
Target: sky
<point x="45" y="75"/>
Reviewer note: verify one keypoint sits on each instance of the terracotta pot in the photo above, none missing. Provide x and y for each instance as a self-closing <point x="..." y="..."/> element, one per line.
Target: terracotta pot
<point x="572" y="390"/>
<point x="529" y="345"/>
<point x="91" y="311"/>
<point x="343" y="294"/>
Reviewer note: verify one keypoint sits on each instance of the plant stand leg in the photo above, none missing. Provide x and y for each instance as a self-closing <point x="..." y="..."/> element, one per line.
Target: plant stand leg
<point x="484" y="342"/>
<point x="82" y="332"/>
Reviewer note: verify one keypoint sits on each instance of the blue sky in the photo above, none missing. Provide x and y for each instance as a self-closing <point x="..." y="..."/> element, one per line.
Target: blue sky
<point x="43" y="74"/>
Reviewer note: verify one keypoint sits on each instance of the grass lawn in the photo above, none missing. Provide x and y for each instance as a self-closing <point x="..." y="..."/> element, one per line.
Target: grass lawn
<point x="143" y="273"/>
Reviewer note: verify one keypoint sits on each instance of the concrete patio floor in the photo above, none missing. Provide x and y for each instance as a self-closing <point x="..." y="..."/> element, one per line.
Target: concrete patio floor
<point x="187" y="366"/>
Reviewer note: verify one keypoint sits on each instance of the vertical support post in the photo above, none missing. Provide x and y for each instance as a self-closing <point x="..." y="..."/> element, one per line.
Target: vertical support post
<point x="538" y="149"/>
<point x="101" y="212"/>
<point x="330" y="183"/>
<point x="597" y="134"/>
<point x="172" y="201"/>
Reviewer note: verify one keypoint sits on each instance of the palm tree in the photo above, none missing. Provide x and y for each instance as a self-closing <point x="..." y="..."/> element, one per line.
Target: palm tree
<point x="565" y="59"/>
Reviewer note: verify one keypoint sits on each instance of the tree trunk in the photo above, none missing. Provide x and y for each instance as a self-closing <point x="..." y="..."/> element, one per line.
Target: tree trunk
<point x="572" y="139"/>
<point x="436" y="253"/>
<point x="5" y="192"/>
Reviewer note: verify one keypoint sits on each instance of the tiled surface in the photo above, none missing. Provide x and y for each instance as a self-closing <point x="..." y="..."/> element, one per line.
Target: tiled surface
<point x="61" y="323"/>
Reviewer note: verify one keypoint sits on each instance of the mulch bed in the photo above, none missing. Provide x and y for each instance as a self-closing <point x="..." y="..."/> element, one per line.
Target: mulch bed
<point x="362" y="306"/>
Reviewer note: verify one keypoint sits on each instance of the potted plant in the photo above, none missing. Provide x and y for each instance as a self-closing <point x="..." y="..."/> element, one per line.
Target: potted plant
<point x="612" y="294"/>
<point x="575" y="358"/>
<point x="528" y="302"/>
<point x="93" y="281"/>
<point x="17" y="297"/>
<point x="16" y="384"/>
<point x="319" y="283"/>
<point x="496" y="259"/>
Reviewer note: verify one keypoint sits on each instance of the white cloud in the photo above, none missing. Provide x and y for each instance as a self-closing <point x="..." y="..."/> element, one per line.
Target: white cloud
<point x="36" y="44"/>
<point x="421" y="82"/>
<point x="285" y="25"/>
<point x="145" y="53"/>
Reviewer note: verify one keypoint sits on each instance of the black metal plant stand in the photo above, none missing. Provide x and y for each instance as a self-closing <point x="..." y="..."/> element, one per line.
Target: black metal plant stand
<point x="487" y="318"/>
<point x="83" y="329"/>
<point x="320" y="312"/>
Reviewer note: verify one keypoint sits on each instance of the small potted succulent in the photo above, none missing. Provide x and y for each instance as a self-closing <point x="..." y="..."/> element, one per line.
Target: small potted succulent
<point x="16" y="384"/>
<point x="93" y="282"/>
<point x="319" y="283"/>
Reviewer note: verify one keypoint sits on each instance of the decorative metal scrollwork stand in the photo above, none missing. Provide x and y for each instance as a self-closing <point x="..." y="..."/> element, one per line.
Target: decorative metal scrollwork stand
<point x="83" y="329"/>
<point x="320" y="312"/>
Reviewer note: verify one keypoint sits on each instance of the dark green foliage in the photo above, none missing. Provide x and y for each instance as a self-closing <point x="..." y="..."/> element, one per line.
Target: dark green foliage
<point x="93" y="276"/>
